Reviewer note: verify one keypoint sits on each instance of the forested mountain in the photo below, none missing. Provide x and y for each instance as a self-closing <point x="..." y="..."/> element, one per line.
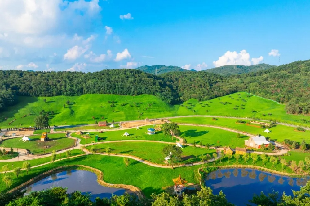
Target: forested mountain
<point x="238" y="69"/>
<point x="161" y="69"/>
<point x="285" y="84"/>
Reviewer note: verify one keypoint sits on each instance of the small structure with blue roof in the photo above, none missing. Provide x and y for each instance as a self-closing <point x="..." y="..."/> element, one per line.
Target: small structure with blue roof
<point x="150" y="131"/>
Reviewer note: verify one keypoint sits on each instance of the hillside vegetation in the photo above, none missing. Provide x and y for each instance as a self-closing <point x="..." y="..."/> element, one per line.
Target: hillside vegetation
<point x="238" y="69"/>
<point x="161" y="69"/>
<point x="287" y="84"/>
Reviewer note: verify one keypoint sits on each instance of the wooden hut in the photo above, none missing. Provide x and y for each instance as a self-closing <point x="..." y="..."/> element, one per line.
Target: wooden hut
<point x="103" y="124"/>
<point x="228" y="151"/>
<point x="241" y="151"/>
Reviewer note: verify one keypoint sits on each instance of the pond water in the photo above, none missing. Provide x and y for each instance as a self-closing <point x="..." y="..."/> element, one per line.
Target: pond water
<point x="239" y="185"/>
<point x="76" y="180"/>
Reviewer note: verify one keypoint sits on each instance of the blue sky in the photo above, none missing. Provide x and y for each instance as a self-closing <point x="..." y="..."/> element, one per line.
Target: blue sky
<point x="91" y="35"/>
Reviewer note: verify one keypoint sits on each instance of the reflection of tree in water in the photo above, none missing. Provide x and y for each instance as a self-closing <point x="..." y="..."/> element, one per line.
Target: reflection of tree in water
<point x="54" y="177"/>
<point x="227" y="174"/>
<point x="252" y="175"/>
<point x="28" y="189"/>
<point x="213" y="175"/>
<point x="220" y="174"/>
<point x="235" y="172"/>
<point x="281" y="181"/>
<point x="291" y="182"/>
<point x="271" y="178"/>
<point x="301" y="182"/>
<point x="262" y="176"/>
<point x="244" y="173"/>
<point x="69" y="172"/>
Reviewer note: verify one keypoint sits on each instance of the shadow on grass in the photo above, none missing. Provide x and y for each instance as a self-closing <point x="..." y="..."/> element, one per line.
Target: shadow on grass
<point x="150" y="190"/>
<point x="128" y="151"/>
<point x="194" y="133"/>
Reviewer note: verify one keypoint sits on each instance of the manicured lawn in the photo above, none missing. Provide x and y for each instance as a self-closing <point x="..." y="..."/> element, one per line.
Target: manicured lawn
<point x="211" y="136"/>
<point x="149" y="179"/>
<point x="56" y="142"/>
<point x="8" y="156"/>
<point x="151" y="151"/>
<point x="81" y="128"/>
<point x="296" y="155"/>
<point x="118" y="135"/>
<point x="278" y="133"/>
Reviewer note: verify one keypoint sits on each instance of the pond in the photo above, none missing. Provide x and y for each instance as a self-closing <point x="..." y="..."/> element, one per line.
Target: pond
<point x="239" y="185"/>
<point x="76" y="180"/>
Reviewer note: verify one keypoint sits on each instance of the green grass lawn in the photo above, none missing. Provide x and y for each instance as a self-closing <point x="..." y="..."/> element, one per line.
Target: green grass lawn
<point x="211" y="136"/>
<point x="81" y="128"/>
<point x="296" y="155"/>
<point x="87" y="109"/>
<point x="82" y="109"/>
<point x="8" y="156"/>
<point x="149" y="179"/>
<point x="278" y="133"/>
<point x="241" y="104"/>
<point x="151" y="151"/>
<point x="56" y="142"/>
<point x="118" y="135"/>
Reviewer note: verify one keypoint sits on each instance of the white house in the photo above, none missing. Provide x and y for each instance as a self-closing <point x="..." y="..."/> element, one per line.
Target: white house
<point x="126" y="134"/>
<point x="257" y="142"/>
<point x="25" y="139"/>
<point x="111" y="126"/>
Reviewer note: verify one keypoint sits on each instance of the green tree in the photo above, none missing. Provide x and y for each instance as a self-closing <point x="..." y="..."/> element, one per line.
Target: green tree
<point x="53" y="156"/>
<point x="303" y="145"/>
<point x="108" y="150"/>
<point x="68" y="153"/>
<point x="293" y="165"/>
<point x="17" y="171"/>
<point x="5" y="168"/>
<point x="42" y="121"/>
<point x="173" y="152"/>
<point x="301" y="164"/>
<point x="214" y="156"/>
<point x="254" y="157"/>
<point x="7" y="180"/>
<point x="26" y="166"/>
<point x="171" y="129"/>
<point x="237" y="156"/>
<point x="283" y="163"/>
<point x="264" y="158"/>
<point x="126" y="161"/>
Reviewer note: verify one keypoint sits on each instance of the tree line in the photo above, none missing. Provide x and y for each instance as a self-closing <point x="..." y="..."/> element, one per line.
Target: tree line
<point x="285" y="84"/>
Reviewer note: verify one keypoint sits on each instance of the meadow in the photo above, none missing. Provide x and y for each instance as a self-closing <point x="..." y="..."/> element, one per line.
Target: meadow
<point x="151" y="151"/>
<point x="92" y="108"/>
<point x="56" y="142"/>
<point x="278" y="133"/>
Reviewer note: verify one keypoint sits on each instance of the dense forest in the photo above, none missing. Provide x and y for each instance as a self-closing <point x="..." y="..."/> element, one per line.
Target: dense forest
<point x="288" y="84"/>
<point x="238" y="69"/>
<point x="161" y="69"/>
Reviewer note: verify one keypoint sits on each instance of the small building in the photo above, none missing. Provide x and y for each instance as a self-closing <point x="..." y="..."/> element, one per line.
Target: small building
<point x="44" y="137"/>
<point x="228" y="151"/>
<point x="25" y="139"/>
<point x="257" y="142"/>
<point x="267" y="131"/>
<point x="111" y="126"/>
<point x="102" y="124"/>
<point x="150" y="131"/>
<point x="179" y="145"/>
<point x="241" y="151"/>
<point x="126" y="134"/>
<point x="179" y="185"/>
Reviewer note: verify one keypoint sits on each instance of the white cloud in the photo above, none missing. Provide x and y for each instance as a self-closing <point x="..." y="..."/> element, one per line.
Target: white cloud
<point x="75" y="52"/>
<point x="126" y="16"/>
<point x="130" y="65"/>
<point x="89" y="39"/>
<point x="123" y="55"/>
<point x="233" y="58"/>
<point x="274" y="53"/>
<point x="202" y="66"/>
<point x="257" y="60"/>
<point x="187" y="67"/>
<point x="30" y="65"/>
<point x="117" y="39"/>
<point x="97" y="59"/>
<point x="77" y="67"/>
<point x="109" y="30"/>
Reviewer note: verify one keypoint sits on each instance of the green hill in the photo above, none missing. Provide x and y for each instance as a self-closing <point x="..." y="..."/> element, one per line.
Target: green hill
<point x="238" y="69"/>
<point x="161" y="69"/>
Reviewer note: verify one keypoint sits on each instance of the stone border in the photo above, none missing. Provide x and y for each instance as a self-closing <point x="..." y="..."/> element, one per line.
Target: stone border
<point x="99" y="174"/>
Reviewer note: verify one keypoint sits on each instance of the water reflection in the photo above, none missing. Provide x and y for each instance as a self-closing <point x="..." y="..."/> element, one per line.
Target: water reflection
<point x="249" y="182"/>
<point x="76" y="180"/>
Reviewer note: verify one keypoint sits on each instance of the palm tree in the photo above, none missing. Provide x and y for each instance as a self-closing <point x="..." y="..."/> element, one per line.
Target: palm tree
<point x="17" y="171"/>
<point x="26" y="166"/>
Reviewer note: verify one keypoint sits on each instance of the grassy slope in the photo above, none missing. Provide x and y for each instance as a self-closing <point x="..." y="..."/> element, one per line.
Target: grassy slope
<point x="84" y="108"/>
<point x="152" y="151"/>
<point x="56" y="142"/>
<point x="279" y="133"/>
<point x="260" y="105"/>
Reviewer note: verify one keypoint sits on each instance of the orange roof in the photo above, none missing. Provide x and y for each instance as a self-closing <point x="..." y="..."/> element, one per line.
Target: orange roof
<point x="179" y="181"/>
